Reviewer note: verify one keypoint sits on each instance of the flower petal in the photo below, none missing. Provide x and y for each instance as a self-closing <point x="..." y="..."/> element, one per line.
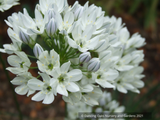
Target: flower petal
<point x="72" y="87"/>
<point x="39" y="96"/>
<point x="75" y="75"/>
<point x="35" y="84"/>
<point x="49" y="98"/>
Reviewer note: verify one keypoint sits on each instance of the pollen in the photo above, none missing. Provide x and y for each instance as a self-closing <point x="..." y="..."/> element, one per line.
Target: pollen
<point x="38" y="85"/>
<point x="52" y="56"/>
<point x="45" y="57"/>
<point x="71" y="76"/>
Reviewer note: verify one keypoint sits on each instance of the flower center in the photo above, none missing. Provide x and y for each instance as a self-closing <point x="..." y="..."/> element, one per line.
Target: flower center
<point x="61" y="78"/>
<point x="21" y="64"/>
<point x="99" y="76"/>
<point x="50" y="66"/>
<point x="49" y="88"/>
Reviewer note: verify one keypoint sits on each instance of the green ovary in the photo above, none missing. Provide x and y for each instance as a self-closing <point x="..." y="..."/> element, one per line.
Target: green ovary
<point x="49" y="88"/>
<point x="50" y="66"/>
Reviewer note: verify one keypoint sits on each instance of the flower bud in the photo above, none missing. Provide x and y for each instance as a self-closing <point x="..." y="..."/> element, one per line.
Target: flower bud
<point x="85" y="57"/>
<point x="51" y="14"/>
<point x="24" y="37"/>
<point x="37" y="50"/>
<point x="94" y="64"/>
<point x="51" y="27"/>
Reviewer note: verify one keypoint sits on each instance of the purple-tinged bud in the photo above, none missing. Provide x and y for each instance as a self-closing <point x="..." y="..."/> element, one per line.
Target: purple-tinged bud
<point x="37" y="50"/>
<point x="51" y="14"/>
<point x="94" y="64"/>
<point x="85" y="57"/>
<point x="24" y="37"/>
<point x="51" y="27"/>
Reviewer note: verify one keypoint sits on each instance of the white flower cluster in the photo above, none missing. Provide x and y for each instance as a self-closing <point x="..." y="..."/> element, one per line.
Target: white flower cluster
<point x="78" y="50"/>
<point x="107" y="106"/>
<point x="7" y="4"/>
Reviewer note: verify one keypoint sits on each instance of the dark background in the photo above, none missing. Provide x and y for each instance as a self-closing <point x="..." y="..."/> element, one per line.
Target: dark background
<point x="142" y="16"/>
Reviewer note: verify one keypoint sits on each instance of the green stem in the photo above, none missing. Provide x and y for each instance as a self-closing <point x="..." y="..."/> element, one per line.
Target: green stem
<point x="31" y="56"/>
<point x="33" y="67"/>
<point x="12" y="88"/>
<point x="38" y="76"/>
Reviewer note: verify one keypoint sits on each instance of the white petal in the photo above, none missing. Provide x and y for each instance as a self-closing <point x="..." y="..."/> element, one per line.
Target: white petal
<point x="18" y="81"/>
<point x="111" y="74"/>
<point x="21" y="90"/>
<point x="39" y="96"/>
<point x="87" y="88"/>
<point x="35" y="84"/>
<point x="72" y="43"/>
<point x="45" y="77"/>
<point x="124" y="67"/>
<point x="65" y="67"/>
<point x="49" y="98"/>
<point x="61" y="89"/>
<point x="75" y="75"/>
<point x="104" y="83"/>
<point x="72" y="87"/>
<point x="14" y="60"/>
<point x="121" y="89"/>
<point x="30" y="92"/>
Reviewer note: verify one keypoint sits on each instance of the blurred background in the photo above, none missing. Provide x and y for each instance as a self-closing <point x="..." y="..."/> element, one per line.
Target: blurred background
<point x="142" y="16"/>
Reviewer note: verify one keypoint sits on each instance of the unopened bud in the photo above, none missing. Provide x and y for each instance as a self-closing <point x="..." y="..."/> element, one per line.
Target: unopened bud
<point x="51" y="13"/>
<point x="94" y="64"/>
<point x="85" y="57"/>
<point x="24" y="37"/>
<point x="51" y="27"/>
<point x="37" y="50"/>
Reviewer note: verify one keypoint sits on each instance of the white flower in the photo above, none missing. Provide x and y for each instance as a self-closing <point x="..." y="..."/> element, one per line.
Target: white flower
<point x="123" y="64"/>
<point x="105" y="78"/>
<point x="67" y="21"/>
<point x="130" y="80"/>
<point x="65" y="81"/>
<point x="7" y="4"/>
<point x="135" y="41"/>
<point x="47" y="88"/>
<point x="82" y="39"/>
<point x="48" y="61"/>
<point x="44" y="5"/>
<point x="20" y="63"/>
<point x="91" y="98"/>
<point x="22" y="81"/>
